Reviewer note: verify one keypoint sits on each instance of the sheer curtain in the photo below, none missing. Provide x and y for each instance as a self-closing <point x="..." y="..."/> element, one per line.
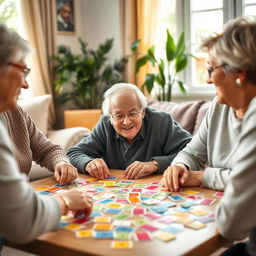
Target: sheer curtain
<point x="39" y="18"/>
<point x="139" y="21"/>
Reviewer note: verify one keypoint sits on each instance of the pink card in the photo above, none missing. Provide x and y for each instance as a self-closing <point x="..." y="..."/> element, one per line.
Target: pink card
<point x="218" y="194"/>
<point x="138" y="210"/>
<point x="149" y="227"/>
<point x="142" y="236"/>
<point x="207" y="201"/>
<point x="137" y="190"/>
<point x="152" y="187"/>
<point x="152" y="216"/>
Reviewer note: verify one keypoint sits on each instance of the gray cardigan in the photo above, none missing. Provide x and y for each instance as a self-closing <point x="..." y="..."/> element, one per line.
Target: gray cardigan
<point x="160" y="139"/>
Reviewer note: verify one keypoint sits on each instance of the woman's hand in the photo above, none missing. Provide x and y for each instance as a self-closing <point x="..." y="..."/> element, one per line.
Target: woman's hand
<point x="65" y="172"/>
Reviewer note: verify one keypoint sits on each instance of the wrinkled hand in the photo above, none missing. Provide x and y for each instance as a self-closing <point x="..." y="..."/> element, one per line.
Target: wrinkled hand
<point x="176" y="176"/>
<point x="79" y="201"/>
<point x="139" y="169"/>
<point x="65" y="173"/>
<point x="97" y="168"/>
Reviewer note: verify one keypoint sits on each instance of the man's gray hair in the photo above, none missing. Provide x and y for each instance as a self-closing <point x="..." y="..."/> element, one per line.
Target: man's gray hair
<point x="118" y="87"/>
<point x="12" y="47"/>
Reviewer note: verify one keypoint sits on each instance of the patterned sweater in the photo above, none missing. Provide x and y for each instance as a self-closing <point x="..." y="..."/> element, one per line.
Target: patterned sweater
<point x="30" y="143"/>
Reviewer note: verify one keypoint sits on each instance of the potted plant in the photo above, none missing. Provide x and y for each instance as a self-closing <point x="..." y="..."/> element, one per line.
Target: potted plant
<point x="165" y="71"/>
<point x="88" y="74"/>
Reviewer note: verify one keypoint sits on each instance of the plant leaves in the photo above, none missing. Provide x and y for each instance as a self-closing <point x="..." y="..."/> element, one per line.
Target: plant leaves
<point x="170" y="47"/>
<point x="181" y="63"/>
<point x="149" y="82"/>
<point x="140" y="62"/>
<point x="134" y="46"/>
<point x="180" y="45"/>
<point x="181" y="87"/>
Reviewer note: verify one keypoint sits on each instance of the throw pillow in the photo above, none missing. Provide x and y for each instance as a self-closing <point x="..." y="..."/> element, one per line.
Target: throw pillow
<point x="38" y="109"/>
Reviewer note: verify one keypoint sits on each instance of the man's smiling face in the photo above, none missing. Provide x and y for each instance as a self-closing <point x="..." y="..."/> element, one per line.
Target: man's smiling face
<point x="126" y="114"/>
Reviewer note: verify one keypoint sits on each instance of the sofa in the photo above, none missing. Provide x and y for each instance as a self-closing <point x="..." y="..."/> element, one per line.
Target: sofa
<point x="38" y="109"/>
<point x="188" y="115"/>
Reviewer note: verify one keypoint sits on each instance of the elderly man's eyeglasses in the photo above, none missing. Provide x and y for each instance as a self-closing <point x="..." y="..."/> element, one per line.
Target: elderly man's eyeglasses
<point x="23" y="69"/>
<point x="120" y="117"/>
<point x="211" y="69"/>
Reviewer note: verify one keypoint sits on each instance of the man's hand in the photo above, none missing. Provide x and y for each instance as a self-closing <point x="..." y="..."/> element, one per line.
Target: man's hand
<point x="176" y="176"/>
<point x="97" y="168"/>
<point x="65" y="172"/>
<point x="140" y="169"/>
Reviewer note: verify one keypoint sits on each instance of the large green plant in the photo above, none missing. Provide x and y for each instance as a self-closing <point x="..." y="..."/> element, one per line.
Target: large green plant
<point x="165" y="70"/>
<point x="88" y="74"/>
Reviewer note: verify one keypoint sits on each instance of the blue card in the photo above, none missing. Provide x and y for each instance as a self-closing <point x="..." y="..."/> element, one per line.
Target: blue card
<point x="104" y="235"/>
<point x="105" y="201"/>
<point x="124" y="229"/>
<point x="167" y="204"/>
<point x="113" y="211"/>
<point x="172" y="230"/>
<point x="111" y="178"/>
<point x="176" y="198"/>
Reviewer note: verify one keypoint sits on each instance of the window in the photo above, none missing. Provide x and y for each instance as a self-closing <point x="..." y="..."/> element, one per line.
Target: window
<point x="10" y="15"/>
<point x="200" y="18"/>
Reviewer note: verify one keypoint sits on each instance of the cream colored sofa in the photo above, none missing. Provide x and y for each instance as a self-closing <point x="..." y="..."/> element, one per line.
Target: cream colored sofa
<point x="38" y="109"/>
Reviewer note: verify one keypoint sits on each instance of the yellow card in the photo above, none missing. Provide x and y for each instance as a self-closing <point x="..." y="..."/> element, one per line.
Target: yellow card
<point x="164" y="236"/>
<point x="190" y="192"/>
<point x="195" y="225"/>
<point x="102" y="219"/>
<point x="42" y="188"/>
<point x="184" y="220"/>
<point x="90" y="179"/>
<point x="115" y="205"/>
<point x="110" y="183"/>
<point x="181" y="214"/>
<point x="84" y="233"/>
<point x="198" y="212"/>
<point x="104" y="227"/>
<point x="122" y="245"/>
<point x="73" y="227"/>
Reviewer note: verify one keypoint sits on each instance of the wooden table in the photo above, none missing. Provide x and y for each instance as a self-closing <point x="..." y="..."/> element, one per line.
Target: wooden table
<point x="190" y="242"/>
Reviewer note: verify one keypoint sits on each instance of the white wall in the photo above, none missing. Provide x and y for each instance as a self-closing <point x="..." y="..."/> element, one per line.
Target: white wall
<point x="96" y="21"/>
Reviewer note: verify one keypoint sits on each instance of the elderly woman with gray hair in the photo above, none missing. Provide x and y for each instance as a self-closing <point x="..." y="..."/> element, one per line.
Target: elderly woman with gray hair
<point x="24" y="213"/>
<point x="225" y="143"/>
<point x="130" y="136"/>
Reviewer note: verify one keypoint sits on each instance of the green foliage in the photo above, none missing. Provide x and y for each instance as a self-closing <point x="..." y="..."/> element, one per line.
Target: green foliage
<point x="8" y="13"/>
<point x="165" y="71"/>
<point x="88" y="73"/>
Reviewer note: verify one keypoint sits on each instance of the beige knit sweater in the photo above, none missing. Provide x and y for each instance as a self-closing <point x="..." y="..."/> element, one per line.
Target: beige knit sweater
<point x="30" y="143"/>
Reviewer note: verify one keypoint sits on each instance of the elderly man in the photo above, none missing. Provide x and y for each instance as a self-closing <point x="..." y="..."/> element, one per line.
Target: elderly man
<point x="130" y="136"/>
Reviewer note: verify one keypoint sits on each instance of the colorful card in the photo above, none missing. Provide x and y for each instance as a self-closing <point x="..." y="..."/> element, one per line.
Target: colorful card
<point x="152" y="216"/>
<point x="122" y="245"/>
<point x="133" y="199"/>
<point x="73" y="227"/>
<point x="198" y="212"/>
<point x="122" y="236"/>
<point x="104" y="227"/>
<point x="176" y="198"/>
<point x="109" y="183"/>
<point x="152" y="187"/>
<point x="84" y="233"/>
<point x="142" y="236"/>
<point x="149" y="227"/>
<point x="207" y="201"/>
<point x="218" y="194"/>
<point x="173" y="230"/>
<point x="190" y="192"/>
<point x="136" y="211"/>
<point x="102" y="219"/>
<point x="164" y="236"/>
<point x="195" y="225"/>
<point x="103" y="235"/>
<point x="124" y="229"/>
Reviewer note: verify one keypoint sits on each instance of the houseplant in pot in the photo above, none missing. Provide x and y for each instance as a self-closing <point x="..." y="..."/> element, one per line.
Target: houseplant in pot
<point x="164" y="70"/>
<point x="88" y="74"/>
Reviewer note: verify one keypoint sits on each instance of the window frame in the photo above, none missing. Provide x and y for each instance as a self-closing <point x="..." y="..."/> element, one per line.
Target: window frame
<point x="231" y="9"/>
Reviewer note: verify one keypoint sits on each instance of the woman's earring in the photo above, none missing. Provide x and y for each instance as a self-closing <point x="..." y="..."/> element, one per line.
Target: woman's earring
<point x="239" y="82"/>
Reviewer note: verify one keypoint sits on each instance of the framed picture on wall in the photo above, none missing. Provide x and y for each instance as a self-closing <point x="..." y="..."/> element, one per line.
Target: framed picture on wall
<point x="65" y="17"/>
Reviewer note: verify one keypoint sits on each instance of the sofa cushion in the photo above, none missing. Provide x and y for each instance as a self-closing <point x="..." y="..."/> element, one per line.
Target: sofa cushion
<point x="185" y="114"/>
<point x="38" y="109"/>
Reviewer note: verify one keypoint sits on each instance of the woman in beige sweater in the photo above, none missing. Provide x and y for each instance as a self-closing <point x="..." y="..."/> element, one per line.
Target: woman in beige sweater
<point x="31" y="144"/>
<point x="24" y="213"/>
